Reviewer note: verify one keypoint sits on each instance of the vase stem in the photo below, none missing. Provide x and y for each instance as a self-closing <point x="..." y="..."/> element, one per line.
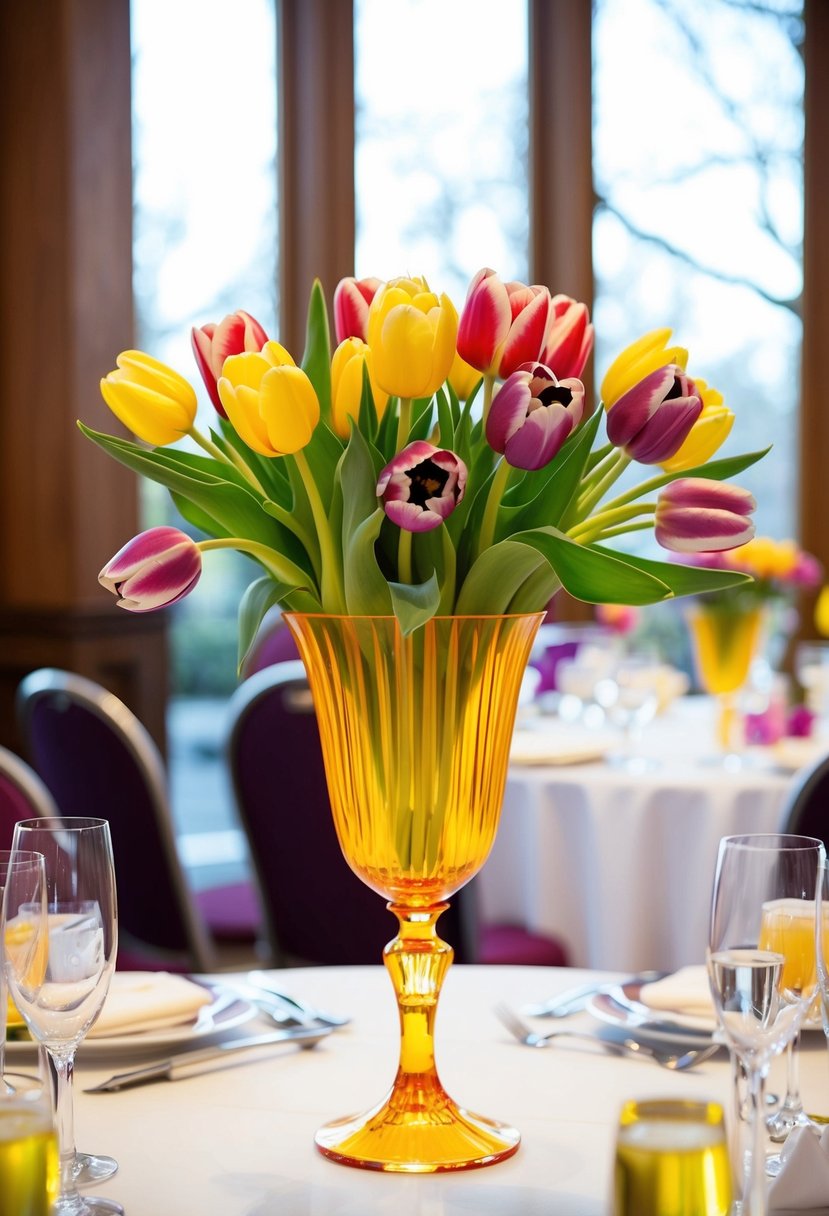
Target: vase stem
<point x="417" y="961"/>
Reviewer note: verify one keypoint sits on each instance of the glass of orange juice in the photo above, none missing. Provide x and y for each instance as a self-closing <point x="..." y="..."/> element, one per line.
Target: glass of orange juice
<point x="788" y="928"/>
<point x="724" y="640"/>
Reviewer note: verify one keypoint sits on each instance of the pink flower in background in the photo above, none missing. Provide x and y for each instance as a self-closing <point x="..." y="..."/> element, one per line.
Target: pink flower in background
<point x="619" y="618"/>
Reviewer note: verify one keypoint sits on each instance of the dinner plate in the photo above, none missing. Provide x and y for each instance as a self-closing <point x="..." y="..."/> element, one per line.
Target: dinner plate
<point x="620" y="1006"/>
<point x="539" y="747"/>
<point x="225" y="1012"/>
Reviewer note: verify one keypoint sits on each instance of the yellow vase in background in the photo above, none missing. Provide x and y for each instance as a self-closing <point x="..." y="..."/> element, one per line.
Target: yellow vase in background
<point x="725" y="641"/>
<point x="416" y="734"/>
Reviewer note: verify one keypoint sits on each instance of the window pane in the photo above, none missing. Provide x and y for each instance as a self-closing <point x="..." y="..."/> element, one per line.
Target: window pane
<point x="205" y="240"/>
<point x="441" y="139"/>
<point x="698" y="130"/>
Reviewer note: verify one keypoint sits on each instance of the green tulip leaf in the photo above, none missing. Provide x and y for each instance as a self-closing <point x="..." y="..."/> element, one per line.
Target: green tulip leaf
<point x="198" y="518"/>
<point x="594" y="575"/>
<point x="316" y="361"/>
<point x="446" y="421"/>
<point x="269" y="470"/>
<point x="366" y="590"/>
<point x="495" y="577"/>
<point x="682" y="580"/>
<point x="543" y="495"/>
<point x="260" y="596"/>
<point x="415" y="603"/>
<point x="367" y="420"/>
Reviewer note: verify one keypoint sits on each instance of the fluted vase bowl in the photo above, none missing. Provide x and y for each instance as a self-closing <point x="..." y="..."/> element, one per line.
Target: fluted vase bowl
<point x="416" y="735"/>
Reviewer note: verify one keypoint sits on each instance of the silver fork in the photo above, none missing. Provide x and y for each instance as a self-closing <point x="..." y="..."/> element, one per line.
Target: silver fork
<point x="624" y="1047"/>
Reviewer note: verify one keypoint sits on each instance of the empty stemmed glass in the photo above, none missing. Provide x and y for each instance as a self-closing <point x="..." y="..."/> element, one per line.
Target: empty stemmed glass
<point x="22" y="932"/>
<point x="760" y="1002"/>
<point x="80" y="959"/>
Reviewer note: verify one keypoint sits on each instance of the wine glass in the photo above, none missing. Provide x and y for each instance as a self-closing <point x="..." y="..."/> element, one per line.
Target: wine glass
<point x="724" y="641"/>
<point x="788" y="926"/>
<point x="630" y="697"/>
<point x="31" y="882"/>
<point x="80" y="959"/>
<point x="760" y="1002"/>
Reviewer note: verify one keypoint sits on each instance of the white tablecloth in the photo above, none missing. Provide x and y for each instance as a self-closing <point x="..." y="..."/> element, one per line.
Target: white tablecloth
<point x="239" y="1142"/>
<point x="618" y="864"/>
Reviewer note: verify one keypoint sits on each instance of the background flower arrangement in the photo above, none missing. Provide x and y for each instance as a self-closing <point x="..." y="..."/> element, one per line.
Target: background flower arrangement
<point x="429" y="463"/>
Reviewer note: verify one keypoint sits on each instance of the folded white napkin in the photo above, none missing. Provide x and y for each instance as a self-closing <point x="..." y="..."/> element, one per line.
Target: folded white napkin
<point x="803" y="1182"/>
<point x="685" y="992"/>
<point x="149" y="1000"/>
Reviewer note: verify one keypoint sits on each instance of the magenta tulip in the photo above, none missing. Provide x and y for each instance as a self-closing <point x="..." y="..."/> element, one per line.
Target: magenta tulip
<point x="502" y="324"/>
<point x="153" y="570"/>
<point x="532" y="414"/>
<point x="569" y="338"/>
<point x="422" y="486"/>
<point x="237" y="333"/>
<point x="653" y="419"/>
<point x="698" y="515"/>
<point x="352" y="298"/>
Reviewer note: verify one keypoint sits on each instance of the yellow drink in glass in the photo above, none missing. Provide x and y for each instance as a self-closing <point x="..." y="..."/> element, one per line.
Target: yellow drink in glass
<point x="788" y="928"/>
<point x="672" y="1160"/>
<point x="28" y="1157"/>
<point x="724" y="642"/>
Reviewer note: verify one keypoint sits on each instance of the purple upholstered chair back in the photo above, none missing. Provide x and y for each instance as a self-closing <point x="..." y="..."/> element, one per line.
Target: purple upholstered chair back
<point x="22" y="795"/>
<point x="98" y="759"/>
<point x="806" y="810"/>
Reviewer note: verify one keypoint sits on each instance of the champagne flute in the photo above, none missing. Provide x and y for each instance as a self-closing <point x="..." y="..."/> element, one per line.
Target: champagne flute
<point x="788" y="926"/>
<point x="80" y="959"/>
<point x="31" y="864"/>
<point x="672" y="1156"/>
<point x="760" y="1006"/>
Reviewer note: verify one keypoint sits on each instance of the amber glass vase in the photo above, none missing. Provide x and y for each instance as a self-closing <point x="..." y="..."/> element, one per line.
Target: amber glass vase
<point x="416" y="735"/>
<point x="725" y="640"/>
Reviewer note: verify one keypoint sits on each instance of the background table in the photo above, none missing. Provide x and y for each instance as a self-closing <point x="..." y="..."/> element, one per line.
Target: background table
<point x="619" y="864"/>
<point x="239" y="1142"/>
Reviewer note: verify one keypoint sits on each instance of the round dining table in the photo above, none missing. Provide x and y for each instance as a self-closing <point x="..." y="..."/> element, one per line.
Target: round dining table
<point x="617" y="861"/>
<point x="238" y="1140"/>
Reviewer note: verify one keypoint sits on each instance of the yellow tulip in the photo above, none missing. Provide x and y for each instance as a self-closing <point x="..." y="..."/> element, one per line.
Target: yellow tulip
<point x="708" y="433"/>
<point x="154" y="402"/>
<point x="412" y="334"/>
<point x="638" y="360"/>
<point x="347" y="384"/>
<point x="270" y="402"/>
<point x="463" y="377"/>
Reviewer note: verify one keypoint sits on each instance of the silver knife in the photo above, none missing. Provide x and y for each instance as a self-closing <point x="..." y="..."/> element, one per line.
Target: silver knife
<point x="189" y="1063"/>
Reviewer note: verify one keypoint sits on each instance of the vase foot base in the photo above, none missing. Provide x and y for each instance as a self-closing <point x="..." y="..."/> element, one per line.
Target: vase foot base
<point x="417" y="1141"/>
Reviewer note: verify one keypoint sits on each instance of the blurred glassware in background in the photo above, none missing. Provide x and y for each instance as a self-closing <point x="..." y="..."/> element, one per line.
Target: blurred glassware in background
<point x="811" y="667"/>
<point x="629" y="695"/>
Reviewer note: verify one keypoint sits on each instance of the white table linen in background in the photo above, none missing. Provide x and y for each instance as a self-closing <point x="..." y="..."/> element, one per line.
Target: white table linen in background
<point x="620" y="865"/>
<point x="239" y="1142"/>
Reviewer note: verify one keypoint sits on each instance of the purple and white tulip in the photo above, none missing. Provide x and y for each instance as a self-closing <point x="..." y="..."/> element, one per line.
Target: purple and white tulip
<point x="422" y="486"/>
<point x="532" y="415"/>
<point x="153" y="570"/>
<point x="697" y="514"/>
<point x="652" y="420"/>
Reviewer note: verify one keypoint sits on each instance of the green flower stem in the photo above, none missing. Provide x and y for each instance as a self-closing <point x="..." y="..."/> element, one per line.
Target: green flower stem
<point x="289" y="520"/>
<point x="333" y="596"/>
<point x="645" y="487"/>
<point x="587" y="501"/>
<point x="493" y="501"/>
<point x="282" y="568"/>
<point x="404" y="556"/>
<point x="489" y="384"/>
<point x="606" y="459"/>
<point x="596" y="457"/>
<point x="450" y="567"/>
<point x="645" y="526"/>
<point x="598" y="525"/>
<point x="234" y="460"/>
<point x="404" y="422"/>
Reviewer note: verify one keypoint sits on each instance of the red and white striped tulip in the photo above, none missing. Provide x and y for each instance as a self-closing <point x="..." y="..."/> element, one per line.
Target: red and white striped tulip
<point x="422" y="486"/>
<point x="153" y="570"/>
<point x="352" y="298"/>
<point x="502" y="324"/>
<point x="569" y="338"/>
<point x="652" y="420"/>
<point x="212" y="344"/>
<point x="532" y="415"/>
<point x="698" y="514"/>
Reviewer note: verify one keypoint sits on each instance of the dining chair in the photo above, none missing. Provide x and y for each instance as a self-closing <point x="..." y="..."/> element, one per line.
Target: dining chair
<point x="22" y="795"/>
<point x="316" y="908"/>
<point x="97" y="758"/>
<point x="806" y="808"/>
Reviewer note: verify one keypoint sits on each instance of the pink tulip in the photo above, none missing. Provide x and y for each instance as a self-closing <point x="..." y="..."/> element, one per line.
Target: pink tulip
<point x="569" y="338"/>
<point x="502" y="324"/>
<point x="422" y="486"/>
<point x="652" y="420"/>
<point x="699" y="515"/>
<point x="153" y="570"/>
<point x="237" y="333"/>
<point x="352" y="298"/>
<point x="532" y="414"/>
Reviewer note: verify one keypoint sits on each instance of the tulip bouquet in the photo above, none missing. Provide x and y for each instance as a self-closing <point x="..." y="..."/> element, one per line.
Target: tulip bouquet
<point x="430" y="463"/>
